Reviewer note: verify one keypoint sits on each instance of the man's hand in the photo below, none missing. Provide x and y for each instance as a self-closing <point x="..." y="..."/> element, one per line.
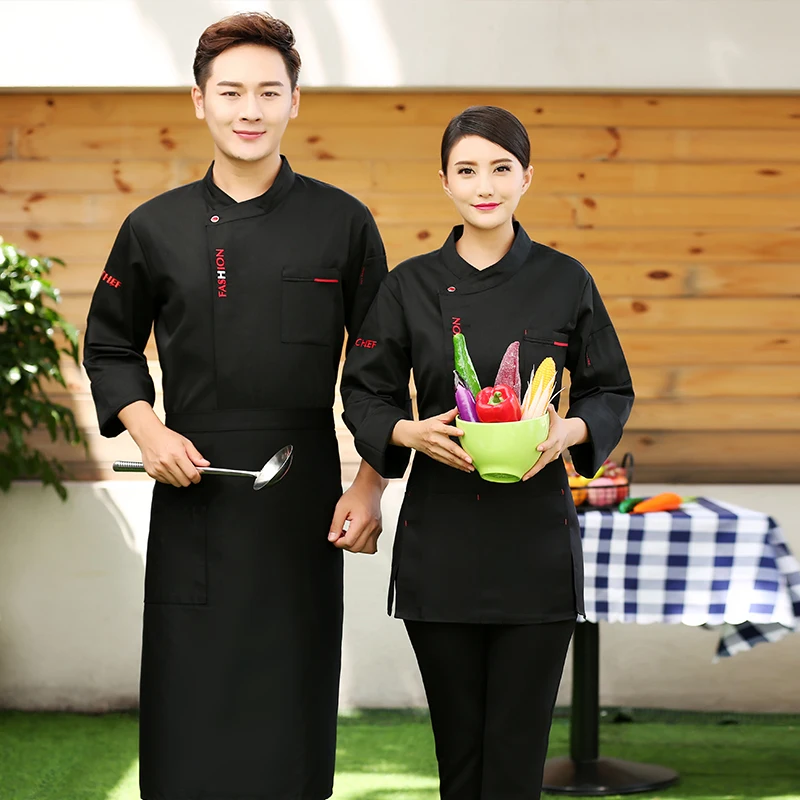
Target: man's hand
<point x="167" y="456"/>
<point x="356" y="523"/>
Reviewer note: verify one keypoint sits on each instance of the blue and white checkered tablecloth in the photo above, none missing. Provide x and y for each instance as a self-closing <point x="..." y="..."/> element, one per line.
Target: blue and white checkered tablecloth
<point x="709" y="564"/>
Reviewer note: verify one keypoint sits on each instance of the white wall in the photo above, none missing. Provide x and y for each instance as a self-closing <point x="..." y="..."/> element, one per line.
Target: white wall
<point x="71" y="598"/>
<point x="533" y="44"/>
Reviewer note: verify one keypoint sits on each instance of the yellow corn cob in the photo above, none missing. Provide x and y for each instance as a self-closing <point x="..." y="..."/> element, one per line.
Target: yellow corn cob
<point x="530" y="413"/>
<point x="540" y="407"/>
<point x="548" y="396"/>
<point x="527" y="400"/>
<point x="543" y="377"/>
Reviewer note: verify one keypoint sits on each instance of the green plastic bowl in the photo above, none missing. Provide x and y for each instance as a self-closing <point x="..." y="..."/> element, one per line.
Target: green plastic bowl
<point x="503" y="452"/>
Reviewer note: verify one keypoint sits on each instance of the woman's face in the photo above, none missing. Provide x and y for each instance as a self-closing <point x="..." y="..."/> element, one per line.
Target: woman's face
<point x="485" y="182"/>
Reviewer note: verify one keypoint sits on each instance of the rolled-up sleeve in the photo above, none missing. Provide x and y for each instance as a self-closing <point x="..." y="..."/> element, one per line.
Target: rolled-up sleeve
<point x="366" y="270"/>
<point x="375" y="383"/>
<point x="117" y="330"/>
<point x="601" y="390"/>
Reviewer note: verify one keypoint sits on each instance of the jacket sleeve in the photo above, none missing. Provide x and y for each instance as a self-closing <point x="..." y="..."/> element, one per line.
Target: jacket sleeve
<point x="117" y="329"/>
<point x="601" y="391"/>
<point x="364" y="274"/>
<point x="375" y="384"/>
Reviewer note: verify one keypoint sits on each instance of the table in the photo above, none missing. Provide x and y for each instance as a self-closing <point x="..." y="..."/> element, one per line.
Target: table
<point x="710" y="564"/>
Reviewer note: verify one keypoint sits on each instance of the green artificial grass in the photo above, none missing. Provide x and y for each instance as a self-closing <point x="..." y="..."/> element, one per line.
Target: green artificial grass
<point x="388" y="755"/>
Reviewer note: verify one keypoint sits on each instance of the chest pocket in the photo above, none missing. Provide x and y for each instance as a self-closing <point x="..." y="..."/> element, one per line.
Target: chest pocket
<point x="537" y="345"/>
<point x="312" y="308"/>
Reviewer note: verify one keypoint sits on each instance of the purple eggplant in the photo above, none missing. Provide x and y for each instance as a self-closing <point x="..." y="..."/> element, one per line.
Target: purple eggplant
<point x="465" y="402"/>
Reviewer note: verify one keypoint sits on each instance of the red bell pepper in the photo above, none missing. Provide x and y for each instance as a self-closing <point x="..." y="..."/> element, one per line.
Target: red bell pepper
<point x="498" y="404"/>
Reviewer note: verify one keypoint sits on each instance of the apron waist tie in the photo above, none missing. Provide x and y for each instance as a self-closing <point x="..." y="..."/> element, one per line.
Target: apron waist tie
<point x="252" y="419"/>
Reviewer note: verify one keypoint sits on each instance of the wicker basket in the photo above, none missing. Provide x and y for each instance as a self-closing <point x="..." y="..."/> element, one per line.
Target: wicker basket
<point x="586" y="497"/>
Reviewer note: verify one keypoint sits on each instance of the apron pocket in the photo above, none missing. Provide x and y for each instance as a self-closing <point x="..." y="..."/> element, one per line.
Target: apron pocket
<point x="177" y="563"/>
<point x="312" y="309"/>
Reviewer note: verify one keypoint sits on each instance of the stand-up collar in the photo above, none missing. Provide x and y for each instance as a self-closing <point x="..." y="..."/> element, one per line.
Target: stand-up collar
<point x="228" y="208"/>
<point x="478" y="279"/>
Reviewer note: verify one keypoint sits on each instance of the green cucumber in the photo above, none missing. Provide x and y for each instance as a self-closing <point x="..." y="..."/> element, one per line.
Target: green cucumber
<point x="626" y="506"/>
<point x="464" y="366"/>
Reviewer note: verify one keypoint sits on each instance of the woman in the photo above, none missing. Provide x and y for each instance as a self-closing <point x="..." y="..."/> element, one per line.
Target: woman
<point x="488" y="577"/>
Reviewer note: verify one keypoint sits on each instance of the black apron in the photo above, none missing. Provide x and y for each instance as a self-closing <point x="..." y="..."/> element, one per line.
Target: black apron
<point x="467" y="550"/>
<point x="243" y="617"/>
<point x="243" y="591"/>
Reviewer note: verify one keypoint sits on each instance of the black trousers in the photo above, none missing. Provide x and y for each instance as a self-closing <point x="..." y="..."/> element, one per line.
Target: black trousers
<point x="491" y="691"/>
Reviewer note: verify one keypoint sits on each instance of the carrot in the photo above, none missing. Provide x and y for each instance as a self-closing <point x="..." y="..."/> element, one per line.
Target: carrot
<point x="666" y="501"/>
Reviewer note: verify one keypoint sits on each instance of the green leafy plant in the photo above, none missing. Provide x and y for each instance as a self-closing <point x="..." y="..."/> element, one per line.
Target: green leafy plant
<point x="30" y="359"/>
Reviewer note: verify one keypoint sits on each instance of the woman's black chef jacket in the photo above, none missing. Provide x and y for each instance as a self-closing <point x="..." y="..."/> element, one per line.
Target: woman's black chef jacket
<point x="243" y="592"/>
<point x="467" y="550"/>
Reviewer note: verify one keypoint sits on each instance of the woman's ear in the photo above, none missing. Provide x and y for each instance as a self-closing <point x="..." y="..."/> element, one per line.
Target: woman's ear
<point x="445" y="185"/>
<point x="527" y="177"/>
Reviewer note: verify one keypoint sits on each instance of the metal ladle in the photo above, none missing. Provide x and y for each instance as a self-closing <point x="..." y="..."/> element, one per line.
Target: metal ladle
<point x="269" y="474"/>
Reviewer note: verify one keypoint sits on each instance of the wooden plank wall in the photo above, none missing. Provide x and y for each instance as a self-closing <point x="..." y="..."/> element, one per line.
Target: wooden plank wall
<point x="685" y="208"/>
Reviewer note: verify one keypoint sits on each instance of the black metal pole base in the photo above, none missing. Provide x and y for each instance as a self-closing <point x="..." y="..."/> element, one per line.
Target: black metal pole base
<point x="604" y="776"/>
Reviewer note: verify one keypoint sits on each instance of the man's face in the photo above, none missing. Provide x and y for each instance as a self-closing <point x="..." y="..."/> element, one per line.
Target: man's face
<point x="248" y="102"/>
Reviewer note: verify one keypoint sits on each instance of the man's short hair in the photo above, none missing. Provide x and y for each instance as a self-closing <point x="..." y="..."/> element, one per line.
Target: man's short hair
<point x="252" y="27"/>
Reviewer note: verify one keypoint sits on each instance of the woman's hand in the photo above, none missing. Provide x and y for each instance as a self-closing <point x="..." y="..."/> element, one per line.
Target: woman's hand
<point x="432" y="437"/>
<point x="564" y="433"/>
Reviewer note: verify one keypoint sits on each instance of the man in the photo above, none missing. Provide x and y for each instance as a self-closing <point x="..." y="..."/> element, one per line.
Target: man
<point x="250" y="277"/>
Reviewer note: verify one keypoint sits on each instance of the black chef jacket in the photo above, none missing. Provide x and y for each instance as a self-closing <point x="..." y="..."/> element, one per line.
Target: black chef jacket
<point x="226" y="284"/>
<point x="468" y="550"/>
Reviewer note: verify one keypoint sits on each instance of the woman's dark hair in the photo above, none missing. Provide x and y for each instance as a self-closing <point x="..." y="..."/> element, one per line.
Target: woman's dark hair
<point x="252" y="27"/>
<point x="492" y="123"/>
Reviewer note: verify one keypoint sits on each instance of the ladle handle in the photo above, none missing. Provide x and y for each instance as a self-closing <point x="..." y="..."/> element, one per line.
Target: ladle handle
<point x="128" y="466"/>
<point x="239" y="473"/>
<point x="138" y="466"/>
